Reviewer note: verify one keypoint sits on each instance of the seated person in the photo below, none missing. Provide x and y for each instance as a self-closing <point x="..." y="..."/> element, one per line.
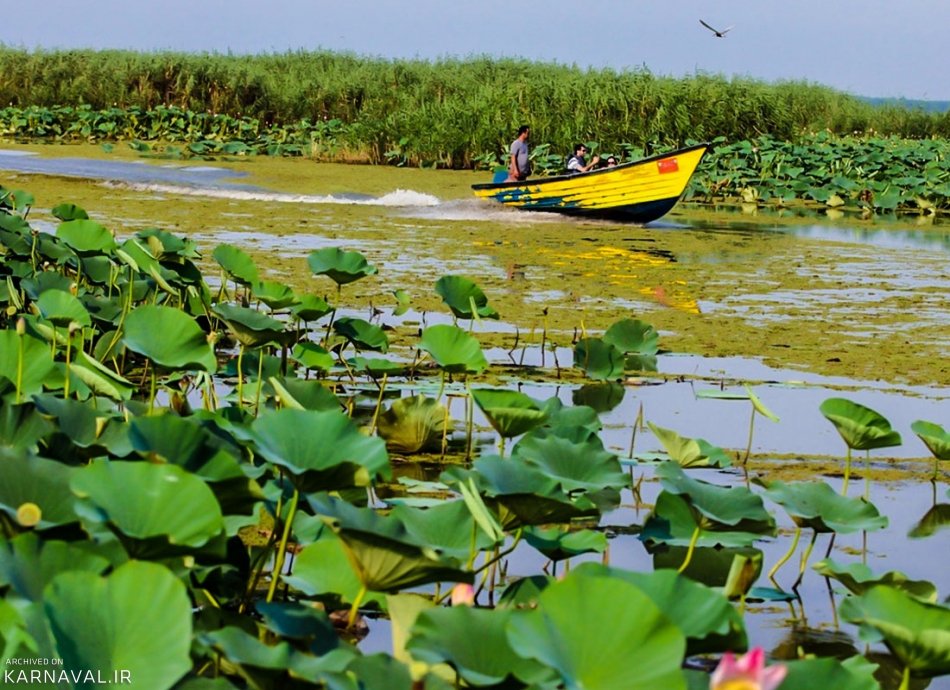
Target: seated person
<point x="611" y="162"/>
<point x="577" y="163"/>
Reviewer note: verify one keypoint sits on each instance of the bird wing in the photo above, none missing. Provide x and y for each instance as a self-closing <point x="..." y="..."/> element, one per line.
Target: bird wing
<point x="708" y="27"/>
<point x="725" y="31"/>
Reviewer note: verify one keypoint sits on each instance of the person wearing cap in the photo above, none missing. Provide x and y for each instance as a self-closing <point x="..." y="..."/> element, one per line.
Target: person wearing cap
<point x="578" y="163"/>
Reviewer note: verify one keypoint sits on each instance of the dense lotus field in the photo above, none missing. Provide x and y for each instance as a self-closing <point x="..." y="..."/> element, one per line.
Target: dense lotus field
<point x="199" y="488"/>
<point x="872" y="174"/>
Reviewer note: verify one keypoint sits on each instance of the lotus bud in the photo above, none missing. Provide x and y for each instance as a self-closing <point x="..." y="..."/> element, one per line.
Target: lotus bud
<point x="29" y="515"/>
<point x="20" y="325"/>
<point x="748" y="672"/>
<point x="463" y="595"/>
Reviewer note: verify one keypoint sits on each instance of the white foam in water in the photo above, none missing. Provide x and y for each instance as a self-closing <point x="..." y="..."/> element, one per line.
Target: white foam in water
<point x="397" y="198"/>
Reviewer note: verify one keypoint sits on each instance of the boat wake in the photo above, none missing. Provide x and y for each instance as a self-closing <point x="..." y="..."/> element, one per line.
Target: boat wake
<point x="398" y="198"/>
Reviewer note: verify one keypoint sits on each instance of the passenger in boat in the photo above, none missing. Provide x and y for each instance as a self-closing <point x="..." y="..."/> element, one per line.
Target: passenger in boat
<point x="578" y="163"/>
<point x="611" y="162"/>
<point x="518" y="165"/>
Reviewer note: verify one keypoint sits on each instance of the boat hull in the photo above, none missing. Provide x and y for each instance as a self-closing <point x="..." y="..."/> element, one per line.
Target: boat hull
<point x="637" y="192"/>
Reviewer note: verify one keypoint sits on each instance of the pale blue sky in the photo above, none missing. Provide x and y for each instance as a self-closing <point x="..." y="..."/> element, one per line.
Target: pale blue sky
<point x="866" y="47"/>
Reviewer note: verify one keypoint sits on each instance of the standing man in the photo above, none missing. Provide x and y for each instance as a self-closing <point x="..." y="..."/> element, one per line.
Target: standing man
<point x="518" y="167"/>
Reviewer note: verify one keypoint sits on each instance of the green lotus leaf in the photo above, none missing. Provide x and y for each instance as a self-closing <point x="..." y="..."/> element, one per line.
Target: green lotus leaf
<point x="320" y="449"/>
<point x="101" y="379"/>
<point x="674" y="521"/>
<point x="22" y="427"/>
<point x="403" y="300"/>
<point x="310" y="308"/>
<point x="413" y="424"/>
<point x="37" y="361"/>
<point x="41" y="281"/>
<point x="140" y="259"/>
<point x="558" y="545"/>
<point x="323" y="569"/>
<point x="524" y="592"/>
<point x="108" y="626"/>
<point x="760" y="406"/>
<point x="575" y="466"/>
<point x="164" y="245"/>
<point x="705" y="617"/>
<point x="511" y="413"/>
<point x="743" y="572"/>
<point x="299" y="622"/>
<point x="818" y="506"/>
<point x="86" y="237"/>
<point x="453" y="349"/>
<point x="444" y="635"/>
<point x="690" y="452"/>
<point x="385" y="556"/>
<point x="340" y="266"/>
<point x="934" y="437"/>
<point x="632" y="336"/>
<point x="447" y="527"/>
<point x="28" y="563"/>
<point x="622" y="640"/>
<point x="62" y="309"/>
<point x="36" y="480"/>
<point x="916" y="632"/>
<point x="710" y="565"/>
<point x="275" y="295"/>
<point x="244" y="649"/>
<point x="236" y="263"/>
<point x="303" y="394"/>
<point x="600" y="360"/>
<point x="723" y="506"/>
<point x="154" y="510"/>
<point x="932" y="522"/>
<point x="69" y="212"/>
<point x="861" y="427"/>
<point x="859" y="578"/>
<point x="362" y="334"/>
<point x="186" y="443"/>
<point x="86" y="423"/>
<point x="312" y="356"/>
<point x="15" y="638"/>
<point x="170" y="338"/>
<point x="251" y="327"/>
<point x="377" y="366"/>
<point x="807" y="674"/>
<point x="464" y="298"/>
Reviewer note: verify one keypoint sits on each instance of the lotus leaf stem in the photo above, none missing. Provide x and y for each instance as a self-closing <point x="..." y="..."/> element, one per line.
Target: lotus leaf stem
<point x="784" y="559"/>
<point x="379" y="404"/>
<point x="905" y="679"/>
<point x="354" y="609"/>
<point x="867" y="475"/>
<point x="469" y="421"/>
<point x="689" y="551"/>
<point x="748" y="449"/>
<point x="501" y="554"/>
<point x="260" y="380"/>
<point x="847" y="473"/>
<point x="805" y="556"/>
<point x="21" y="345"/>
<point x="282" y="549"/>
<point x="152" y="390"/>
<point x="240" y="375"/>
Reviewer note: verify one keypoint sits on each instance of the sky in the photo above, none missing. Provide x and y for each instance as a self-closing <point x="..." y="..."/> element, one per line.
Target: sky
<point x="879" y="48"/>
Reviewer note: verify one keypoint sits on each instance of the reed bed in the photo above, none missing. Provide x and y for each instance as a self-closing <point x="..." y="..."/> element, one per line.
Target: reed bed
<point x="450" y="113"/>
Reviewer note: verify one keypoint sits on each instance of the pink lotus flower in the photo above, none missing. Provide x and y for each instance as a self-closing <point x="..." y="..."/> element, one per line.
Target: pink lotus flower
<point x="748" y="672"/>
<point x="463" y="595"/>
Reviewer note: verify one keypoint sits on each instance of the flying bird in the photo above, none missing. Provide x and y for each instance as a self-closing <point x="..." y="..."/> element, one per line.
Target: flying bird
<point x="719" y="34"/>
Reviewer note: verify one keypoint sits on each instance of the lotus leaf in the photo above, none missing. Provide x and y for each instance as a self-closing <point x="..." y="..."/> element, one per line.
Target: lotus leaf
<point x="340" y="266"/>
<point x="446" y="634"/>
<point x="302" y="394"/>
<point x="41" y="281"/>
<point x="37" y="362"/>
<point x="241" y="648"/>
<point x="633" y="336"/>
<point x="622" y="640"/>
<point x="453" y="349"/>
<point x="807" y="674"/>
<point x="299" y="622"/>
<point x="36" y="480"/>
<point x="601" y="397"/>
<point x="86" y="237"/>
<point x="385" y="556"/>
<point x="107" y="625"/>
<point x="155" y="510"/>
<point x="690" y="452"/>
<point x="705" y="617"/>
<point x="312" y="356"/>
<point x="62" y="309"/>
<point x="721" y="505"/>
<point x="323" y="569"/>
<point x="250" y="327"/>
<point x="464" y="298"/>
<point x="69" y="212"/>
<point x="311" y="308"/>
<point x="28" y="563"/>
<point x="575" y="466"/>
<point x="377" y="366"/>
<point x="447" y="527"/>
<point x="101" y="379"/>
<point x="858" y="578"/>
<point x="320" y="449"/>
<point x="413" y="424"/>
<point x="598" y="359"/>
<point x="861" y="428"/>
<point x="818" y="506"/>
<point x="170" y="338"/>
<point x="511" y="413"/>
<point x="916" y="632"/>
<point x="22" y="427"/>
<point x="362" y="334"/>
<point x="935" y="438"/>
<point x="932" y="522"/>
<point x="558" y="545"/>
<point x="237" y="264"/>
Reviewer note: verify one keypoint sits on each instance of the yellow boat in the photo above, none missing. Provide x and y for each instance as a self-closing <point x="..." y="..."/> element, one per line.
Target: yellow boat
<point x="638" y="192"/>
